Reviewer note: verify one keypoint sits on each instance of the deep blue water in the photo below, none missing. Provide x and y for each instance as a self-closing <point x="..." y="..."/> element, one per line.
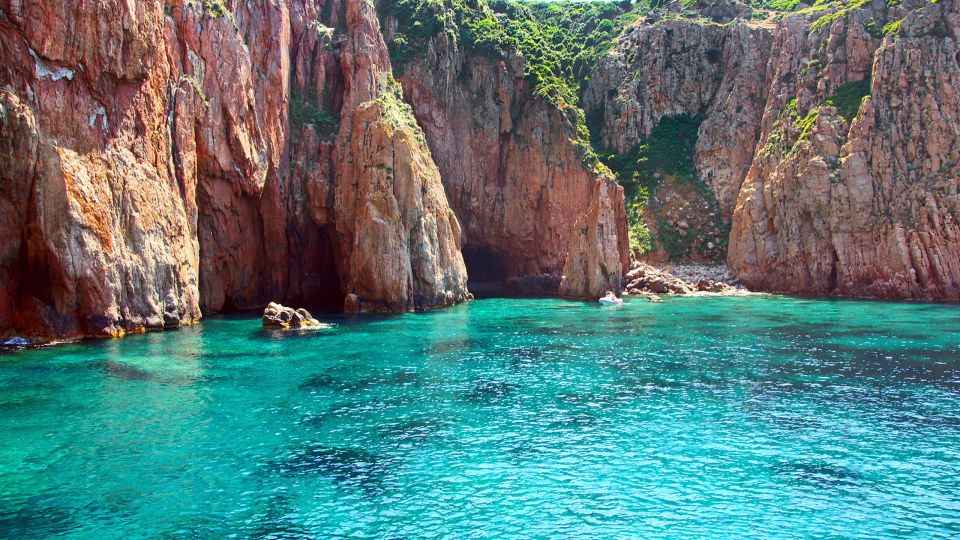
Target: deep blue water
<point x="736" y="417"/>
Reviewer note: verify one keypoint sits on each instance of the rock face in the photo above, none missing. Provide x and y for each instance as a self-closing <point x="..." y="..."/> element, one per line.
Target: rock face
<point x="595" y="259"/>
<point x="157" y="159"/>
<point x="646" y="280"/>
<point x="514" y="177"/>
<point x="160" y="159"/>
<point x="825" y="195"/>
<point x="399" y="238"/>
<point x="692" y="68"/>
<point x="97" y="232"/>
<point x="864" y="205"/>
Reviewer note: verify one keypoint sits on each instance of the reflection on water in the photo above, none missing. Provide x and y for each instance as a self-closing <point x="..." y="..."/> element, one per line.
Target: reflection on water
<point x="710" y="417"/>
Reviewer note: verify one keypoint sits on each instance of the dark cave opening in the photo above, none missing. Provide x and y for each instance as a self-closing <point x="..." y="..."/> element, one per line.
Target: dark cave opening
<point x="317" y="285"/>
<point x="486" y="271"/>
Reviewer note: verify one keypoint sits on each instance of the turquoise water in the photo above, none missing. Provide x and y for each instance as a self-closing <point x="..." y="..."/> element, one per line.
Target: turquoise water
<point x="699" y="417"/>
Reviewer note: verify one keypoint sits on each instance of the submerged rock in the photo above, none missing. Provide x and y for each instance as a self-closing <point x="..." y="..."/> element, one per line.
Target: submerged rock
<point x="278" y="316"/>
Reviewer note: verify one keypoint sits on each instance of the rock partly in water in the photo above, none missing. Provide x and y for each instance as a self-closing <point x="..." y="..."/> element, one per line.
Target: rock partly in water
<point x="278" y="316"/>
<point x="650" y="281"/>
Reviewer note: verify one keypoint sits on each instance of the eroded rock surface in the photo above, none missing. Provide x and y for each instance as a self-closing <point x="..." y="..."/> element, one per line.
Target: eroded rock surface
<point x="513" y="174"/>
<point x="399" y="238"/>
<point x="157" y="159"/>
<point x="861" y="201"/>
<point x="279" y="316"/>
<point x="824" y="195"/>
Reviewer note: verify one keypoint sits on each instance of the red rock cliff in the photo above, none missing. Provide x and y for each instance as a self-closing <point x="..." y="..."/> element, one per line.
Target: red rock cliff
<point x="514" y="175"/>
<point x="826" y="195"/>
<point x="151" y="165"/>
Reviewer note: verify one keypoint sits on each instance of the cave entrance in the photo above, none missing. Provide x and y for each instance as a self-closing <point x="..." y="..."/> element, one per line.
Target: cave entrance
<point x="486" y="272"/>
<point x="318" y="286"/>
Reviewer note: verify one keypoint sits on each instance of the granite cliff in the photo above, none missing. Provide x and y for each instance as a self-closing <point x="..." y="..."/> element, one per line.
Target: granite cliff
<point x="828" y="137"/>
<point x="160" y="160"/>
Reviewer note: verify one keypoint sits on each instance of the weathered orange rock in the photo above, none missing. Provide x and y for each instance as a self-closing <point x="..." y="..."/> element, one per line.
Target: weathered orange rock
<point x="98" y="240"/>
<point x="867" y="207"/>
<point x="513" y="175"/>
<point x="685" y="67"/>
<point x="399" y="239"/>
<point x="594" y="262"/>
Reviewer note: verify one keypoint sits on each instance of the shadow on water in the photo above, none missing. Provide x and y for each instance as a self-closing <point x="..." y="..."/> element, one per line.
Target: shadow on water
<point x="35" y="520"/>
<point x="489" y="391"/>
<point x="819" y="473"/>
<point x="340" y="379"/>
<point x="412" y="430"/>
<point x="275" y="519"/>
<point x="456" y="346"/>
<point x="120" y="370"/>
<point x="351" y="466"/>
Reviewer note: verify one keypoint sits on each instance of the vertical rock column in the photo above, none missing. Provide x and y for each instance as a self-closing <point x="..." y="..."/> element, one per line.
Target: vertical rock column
<point x="399" y="240"/>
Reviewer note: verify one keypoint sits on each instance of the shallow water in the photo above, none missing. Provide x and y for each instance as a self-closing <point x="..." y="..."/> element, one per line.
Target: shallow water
<point x="736" y="417"/>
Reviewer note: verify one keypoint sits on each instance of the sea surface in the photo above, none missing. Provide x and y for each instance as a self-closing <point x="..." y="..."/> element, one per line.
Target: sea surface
<point x="728" y="417"/>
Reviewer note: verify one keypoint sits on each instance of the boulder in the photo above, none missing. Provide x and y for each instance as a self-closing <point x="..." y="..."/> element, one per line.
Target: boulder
<point x="278" y="316"/>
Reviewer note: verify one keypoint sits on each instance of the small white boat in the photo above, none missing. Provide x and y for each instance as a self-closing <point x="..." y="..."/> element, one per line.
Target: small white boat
<point x="16" y="341"/>
<point x="611" y="299"/>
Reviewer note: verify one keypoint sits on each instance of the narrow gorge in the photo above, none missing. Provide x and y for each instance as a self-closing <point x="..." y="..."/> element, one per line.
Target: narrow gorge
<point x="164" y="160"/>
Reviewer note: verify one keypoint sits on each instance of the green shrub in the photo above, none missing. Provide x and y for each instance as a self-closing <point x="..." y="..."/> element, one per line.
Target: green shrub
<point x="848" y="98"/>
<point x="305" y="109"/>
<point x="841" y="11"/>
<point x="892" y="27"/>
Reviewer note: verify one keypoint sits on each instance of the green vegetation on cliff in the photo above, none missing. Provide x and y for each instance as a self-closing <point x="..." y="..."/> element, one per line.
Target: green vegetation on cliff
<point x="306" y="108"/>
<point x="559" y="42"/>
<point x="663" y="165"/>
<point x="848" y="98"/>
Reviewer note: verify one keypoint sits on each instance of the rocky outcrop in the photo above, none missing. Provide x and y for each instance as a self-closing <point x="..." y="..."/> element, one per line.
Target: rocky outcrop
<point x="594" y="261"/>
<point x="279" y="316"/>
<point x="647" y="280"/>
<point x="514" y="175"/>
<point x="400" y="240"/>
<point x="824" y="195"/>
<point x="96" y="234"/>
<point x="157" y="159"/>
<point x="666" y="66"/>
<point x="858" y="200"/>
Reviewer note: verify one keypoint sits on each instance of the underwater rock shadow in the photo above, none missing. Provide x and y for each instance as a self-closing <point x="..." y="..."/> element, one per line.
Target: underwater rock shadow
<point x="489" y="391"/>
<point x="413" y="430"/>
<point x="346" y="466"/>
<point x="128" y="372"/>
<point x="35" y="520"/>
<point x="339" y="379"/>
<point x="274" y="521"/>
<point x="820" y="474"/>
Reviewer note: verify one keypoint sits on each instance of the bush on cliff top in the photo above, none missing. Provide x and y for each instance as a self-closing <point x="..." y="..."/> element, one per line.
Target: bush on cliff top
<point x="559" y="41"/>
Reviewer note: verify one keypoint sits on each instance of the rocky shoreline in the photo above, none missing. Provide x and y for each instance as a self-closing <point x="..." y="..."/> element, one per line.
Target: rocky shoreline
<point x="650" y="281"/>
